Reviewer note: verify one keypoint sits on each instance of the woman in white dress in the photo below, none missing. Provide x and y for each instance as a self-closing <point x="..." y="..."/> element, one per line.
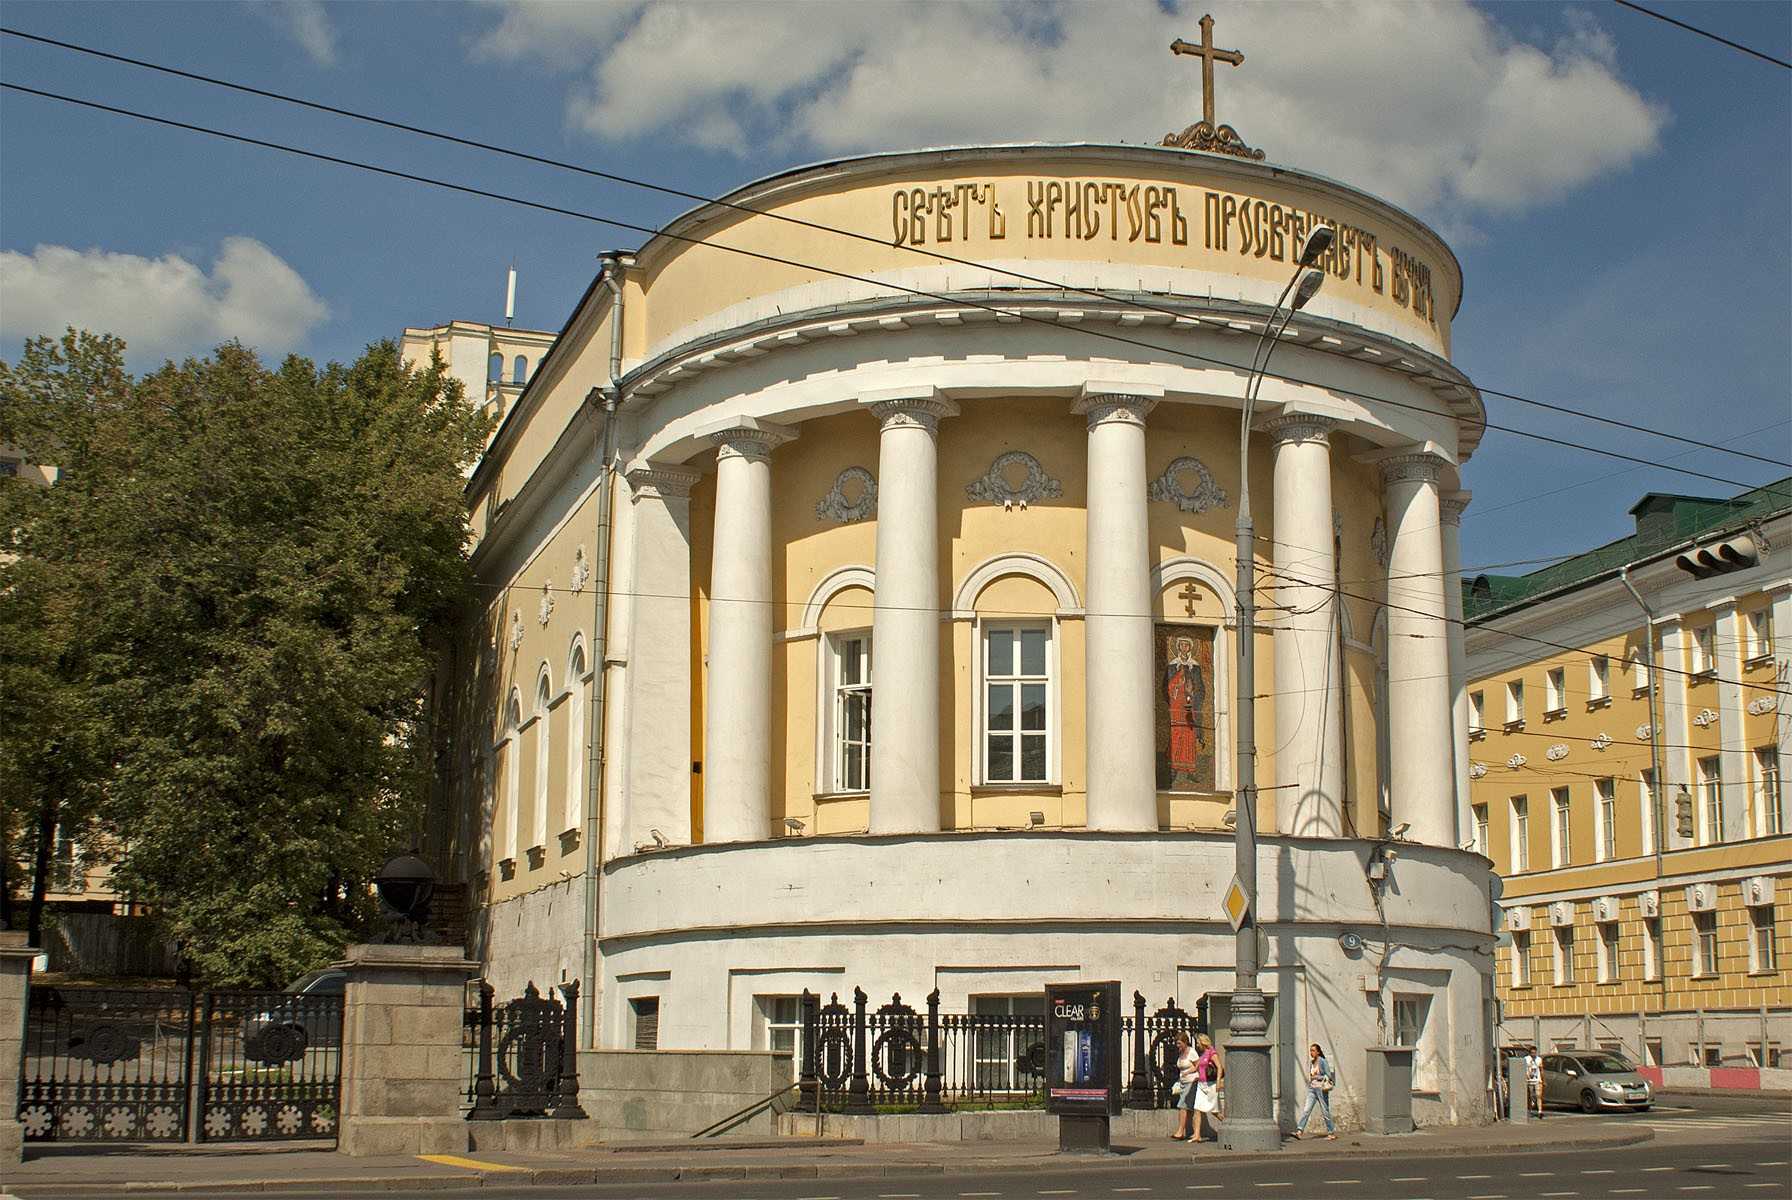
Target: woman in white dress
<point x="1185" y="1088"/>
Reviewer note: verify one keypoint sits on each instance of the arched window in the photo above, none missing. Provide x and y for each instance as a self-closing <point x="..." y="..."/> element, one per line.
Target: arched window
<point x="494" y="368"/>
<point x="575" y="736"/>
<point x="538" y="828"/>
<point x="519" y="370"/>
<point x="510" y="747"/>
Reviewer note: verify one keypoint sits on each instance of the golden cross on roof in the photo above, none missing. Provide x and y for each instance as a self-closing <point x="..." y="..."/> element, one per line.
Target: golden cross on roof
<point x="1208" y="134"/>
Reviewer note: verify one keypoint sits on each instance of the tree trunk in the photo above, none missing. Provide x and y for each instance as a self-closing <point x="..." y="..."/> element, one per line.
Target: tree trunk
<point x="47" y="813"/>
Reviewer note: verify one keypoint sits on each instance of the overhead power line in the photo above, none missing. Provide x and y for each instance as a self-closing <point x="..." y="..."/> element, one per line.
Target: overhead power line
<point x="959" y="301"/>
<point x="1704" y="33"/>
<point x="666" y="189"/>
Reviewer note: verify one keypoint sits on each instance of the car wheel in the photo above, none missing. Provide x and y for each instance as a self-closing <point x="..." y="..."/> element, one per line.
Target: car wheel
<point x="1589" y="1103"/>
<point x="1642" y="1108"/>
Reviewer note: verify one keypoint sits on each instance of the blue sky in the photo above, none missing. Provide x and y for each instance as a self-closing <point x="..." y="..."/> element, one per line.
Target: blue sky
<point x="1617" y="190"/>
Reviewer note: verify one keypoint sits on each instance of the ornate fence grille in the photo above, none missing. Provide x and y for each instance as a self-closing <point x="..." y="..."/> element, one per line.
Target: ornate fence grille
<point x="140" y="1065"/>
<point x="859" y="1060"/>
<point x="522" y="1055"/>
<point x="271" y="1066"/>
<point x="106" y="1065"/>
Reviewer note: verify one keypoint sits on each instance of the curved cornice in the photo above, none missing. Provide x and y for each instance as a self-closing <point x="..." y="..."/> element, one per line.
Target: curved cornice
<point x="1229" y="318"/>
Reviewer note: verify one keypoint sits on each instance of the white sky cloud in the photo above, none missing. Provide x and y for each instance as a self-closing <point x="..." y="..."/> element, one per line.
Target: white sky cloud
<point x="309" y="25"/>
<point x="163" y="307"/>
<point x="1432" y="105"/>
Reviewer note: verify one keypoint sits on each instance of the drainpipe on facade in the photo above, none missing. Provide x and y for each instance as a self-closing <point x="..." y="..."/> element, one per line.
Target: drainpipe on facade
<point x="594" y="727"/>
<point x="1658" y="782"/>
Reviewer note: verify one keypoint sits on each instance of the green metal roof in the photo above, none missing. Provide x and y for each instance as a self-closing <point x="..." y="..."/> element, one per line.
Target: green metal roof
<point x="1664" y="520"/>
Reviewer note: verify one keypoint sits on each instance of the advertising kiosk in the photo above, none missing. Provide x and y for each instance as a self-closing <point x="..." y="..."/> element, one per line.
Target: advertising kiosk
<point x="1083" y="1056"/>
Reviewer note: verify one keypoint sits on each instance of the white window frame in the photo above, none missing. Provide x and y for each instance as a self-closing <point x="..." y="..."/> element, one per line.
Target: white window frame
<point x="1639" y="672"/>
<point x="1605" y="820"/>
<point x="769" y="1021"/>
<point x="1607" y="946"/>
<point x="1645" y="783"/>
<point x="1521" y="958"/>
<point x="1757" y="626"/>
<point x="1599" y="678"/>
<point x="1477" y="714"/>
<point x="829" y="747"/>
<point x="1555" y="690"/>
<point x="511" y="747"/>
<point x="1763" y="954"/>
<point x="1704" y="953"/>
<point x="1769" y="819"/>
<point x="1710" y="826"/>
<point x="1563" y="941"/>
<point x="1561" y="832"/>
<point x="1700" y="645"/>
<point x="1514" y="701"/>
<point x="538" y="818"/>
<point x="980" y="701"/>
<point x="1652" y="949"/>
<point x="1478" y="813"/>
<point x="575" y="737"/>
<point x="1520" y="830"/>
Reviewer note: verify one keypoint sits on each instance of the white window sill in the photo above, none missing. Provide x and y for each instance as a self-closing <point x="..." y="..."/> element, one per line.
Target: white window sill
<point x="1764" y="659"/>
<point x="1703" y="675"/>
<point x="1513" y="726"/>
<point x="1476" y="735"/>
<point x="1599" y="702"/>
<point x="1553" y="714"/>
<point x="824" y="797"/>
<point x="1035" y="788"/>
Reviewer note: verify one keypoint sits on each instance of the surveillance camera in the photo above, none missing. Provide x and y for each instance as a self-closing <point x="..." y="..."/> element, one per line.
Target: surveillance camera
<point x="1230" y="819"/>
<point x="1400" y="830"/>
<point x="793" y="825"/>
<point x="1037" y="818"/>
<point x="659" y="839"/>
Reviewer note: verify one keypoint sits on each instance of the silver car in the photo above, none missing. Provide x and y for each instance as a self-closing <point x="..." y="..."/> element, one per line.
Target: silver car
<point x="1594" y="1080"/>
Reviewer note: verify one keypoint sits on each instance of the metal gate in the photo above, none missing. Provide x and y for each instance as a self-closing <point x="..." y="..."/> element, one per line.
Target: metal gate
<point x="140" y="1065"/>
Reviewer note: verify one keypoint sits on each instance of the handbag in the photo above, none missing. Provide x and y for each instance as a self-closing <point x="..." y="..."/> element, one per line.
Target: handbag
<point x="1177" y="1088"/>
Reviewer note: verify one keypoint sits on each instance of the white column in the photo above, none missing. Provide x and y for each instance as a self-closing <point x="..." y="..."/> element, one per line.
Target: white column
<point x="656" y="767"/>
<point x="1450" y="507"/>
<point x="1781" y="603"/>
<point x="737" y="697"/>
<point x="905" y="622"/>
<point x="1422" y="772"/>
<point x="1309" y="691"/>
<point x="1676" y="729"/>
<point x="1120" y="724"/>
<point x="1738" y="789"/>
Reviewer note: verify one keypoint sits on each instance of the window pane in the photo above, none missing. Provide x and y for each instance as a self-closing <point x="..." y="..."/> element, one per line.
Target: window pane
<point x="1001" y="652"/>
<point x="853" y="768"/>
<point x="1032" y="652"/>
<point x="858" y="715"/>
<point x="849" y="661"/>
<point x="1032" y="706"/>
<point x="1032" y="756"/>
<point x="1001" y="706"/>
<point x="1001" y="758"/>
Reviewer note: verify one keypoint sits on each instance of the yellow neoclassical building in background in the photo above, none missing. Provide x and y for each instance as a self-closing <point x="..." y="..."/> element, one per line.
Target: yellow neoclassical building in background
<point x="1660" y="931"/>
<point x="856" y="610"/>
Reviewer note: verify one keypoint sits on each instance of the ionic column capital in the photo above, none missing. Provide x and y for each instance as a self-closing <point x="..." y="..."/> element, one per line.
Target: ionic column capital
<point x="1450" y="506"/>
<point x="1420" y="467"/>
<point x="654" y="481"/>
<point x="754" y="440"/>
<point x="912" y="412"/>
<point x="1125" y="408"/>
<point x="1300" y="427"/>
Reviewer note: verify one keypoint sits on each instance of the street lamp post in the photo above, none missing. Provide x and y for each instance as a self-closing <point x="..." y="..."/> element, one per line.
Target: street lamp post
<point x="1250" y="1125"/>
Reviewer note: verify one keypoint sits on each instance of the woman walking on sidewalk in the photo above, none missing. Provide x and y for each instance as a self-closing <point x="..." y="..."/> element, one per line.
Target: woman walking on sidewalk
<point x="1319" y="1093"/>
<point x="1184" y="1090"/>
<point x="1208" y="1073"/>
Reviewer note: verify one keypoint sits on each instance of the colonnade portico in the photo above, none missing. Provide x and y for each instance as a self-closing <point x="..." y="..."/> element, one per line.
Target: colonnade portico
<point x="905" y="777"/>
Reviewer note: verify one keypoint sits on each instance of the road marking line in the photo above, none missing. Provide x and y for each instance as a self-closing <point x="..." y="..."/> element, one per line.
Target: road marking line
<point x="1661" y="1168"/>
<point x="454" y="1160"/>
<point x="1129" y="1189"/>
<point x="1330" y="1181"/>
<point x="1778" y="1162"/>
<point x="1627" y="1191"/>
<point x="1275" y="1185"/>
<point x="1474" y="1177"/>
<point x="1558" y="1193"/>
<point x="1598" y="1172"/>
<point x="1488" y="1196"/>
<point x="1407" y="1179"/>
<point x="1763" y="1185"/>
<point x="1059" y="1192"/>
<point x="1203" y="1187"/>
<point x="1712" y="1167"/>
<point x="979" y="1193"/>
<point x="1536" y="1174"/>
<point x="1699" y="1187"/>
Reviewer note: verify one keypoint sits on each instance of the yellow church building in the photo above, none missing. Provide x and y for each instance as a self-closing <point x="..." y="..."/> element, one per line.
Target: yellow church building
<point x="1643" y="917"/>
<point x="857" y="610"/>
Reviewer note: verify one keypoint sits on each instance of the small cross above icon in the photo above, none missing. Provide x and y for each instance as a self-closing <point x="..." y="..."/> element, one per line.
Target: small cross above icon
<point x="1188" y="595"/>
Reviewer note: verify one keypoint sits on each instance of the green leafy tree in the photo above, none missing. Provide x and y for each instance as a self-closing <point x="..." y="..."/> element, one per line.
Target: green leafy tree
<point x="260" y="559"/>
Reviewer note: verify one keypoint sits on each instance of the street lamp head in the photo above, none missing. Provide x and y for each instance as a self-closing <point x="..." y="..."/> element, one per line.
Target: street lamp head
<point x="1317" y="243"/>
<point x="1309" y="283"/>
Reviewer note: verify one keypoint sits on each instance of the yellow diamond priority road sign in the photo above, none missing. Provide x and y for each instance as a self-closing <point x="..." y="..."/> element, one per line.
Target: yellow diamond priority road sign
<point x="1236" y="904"/>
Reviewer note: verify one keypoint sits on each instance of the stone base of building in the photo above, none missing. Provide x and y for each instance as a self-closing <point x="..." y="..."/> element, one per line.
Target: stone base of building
<point x="367" y="1137"/>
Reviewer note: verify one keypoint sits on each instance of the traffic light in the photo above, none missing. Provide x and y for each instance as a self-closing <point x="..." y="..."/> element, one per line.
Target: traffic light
<point x="1738" y="553"/>
<point x="1683" y="814"/>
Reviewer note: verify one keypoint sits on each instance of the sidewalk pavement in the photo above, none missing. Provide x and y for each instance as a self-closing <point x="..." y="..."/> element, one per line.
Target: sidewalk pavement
<point x="61" y="1170"/>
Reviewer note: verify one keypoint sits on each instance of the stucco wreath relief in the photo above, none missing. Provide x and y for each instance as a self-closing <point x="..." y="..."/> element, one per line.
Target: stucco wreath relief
<point x="1169" y="488"/>
<point x="999" y="485"/>
<point x="852" y="498"/>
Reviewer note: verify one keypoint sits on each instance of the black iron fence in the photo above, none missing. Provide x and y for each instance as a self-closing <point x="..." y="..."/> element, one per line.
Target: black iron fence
<point x="859" y="1060"/>
<point x="522" y="1054"/>
<point x="143" y="1065"/>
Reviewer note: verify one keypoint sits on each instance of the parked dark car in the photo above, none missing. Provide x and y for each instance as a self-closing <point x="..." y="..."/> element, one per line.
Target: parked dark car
<point x="1594" y="1080"/>
<point x="310" y="1017"/>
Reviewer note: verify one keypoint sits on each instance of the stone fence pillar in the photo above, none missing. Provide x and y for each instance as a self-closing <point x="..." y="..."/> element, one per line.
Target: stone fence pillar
<point x="402" y="1067"/>
<point x="15" y="986"/>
